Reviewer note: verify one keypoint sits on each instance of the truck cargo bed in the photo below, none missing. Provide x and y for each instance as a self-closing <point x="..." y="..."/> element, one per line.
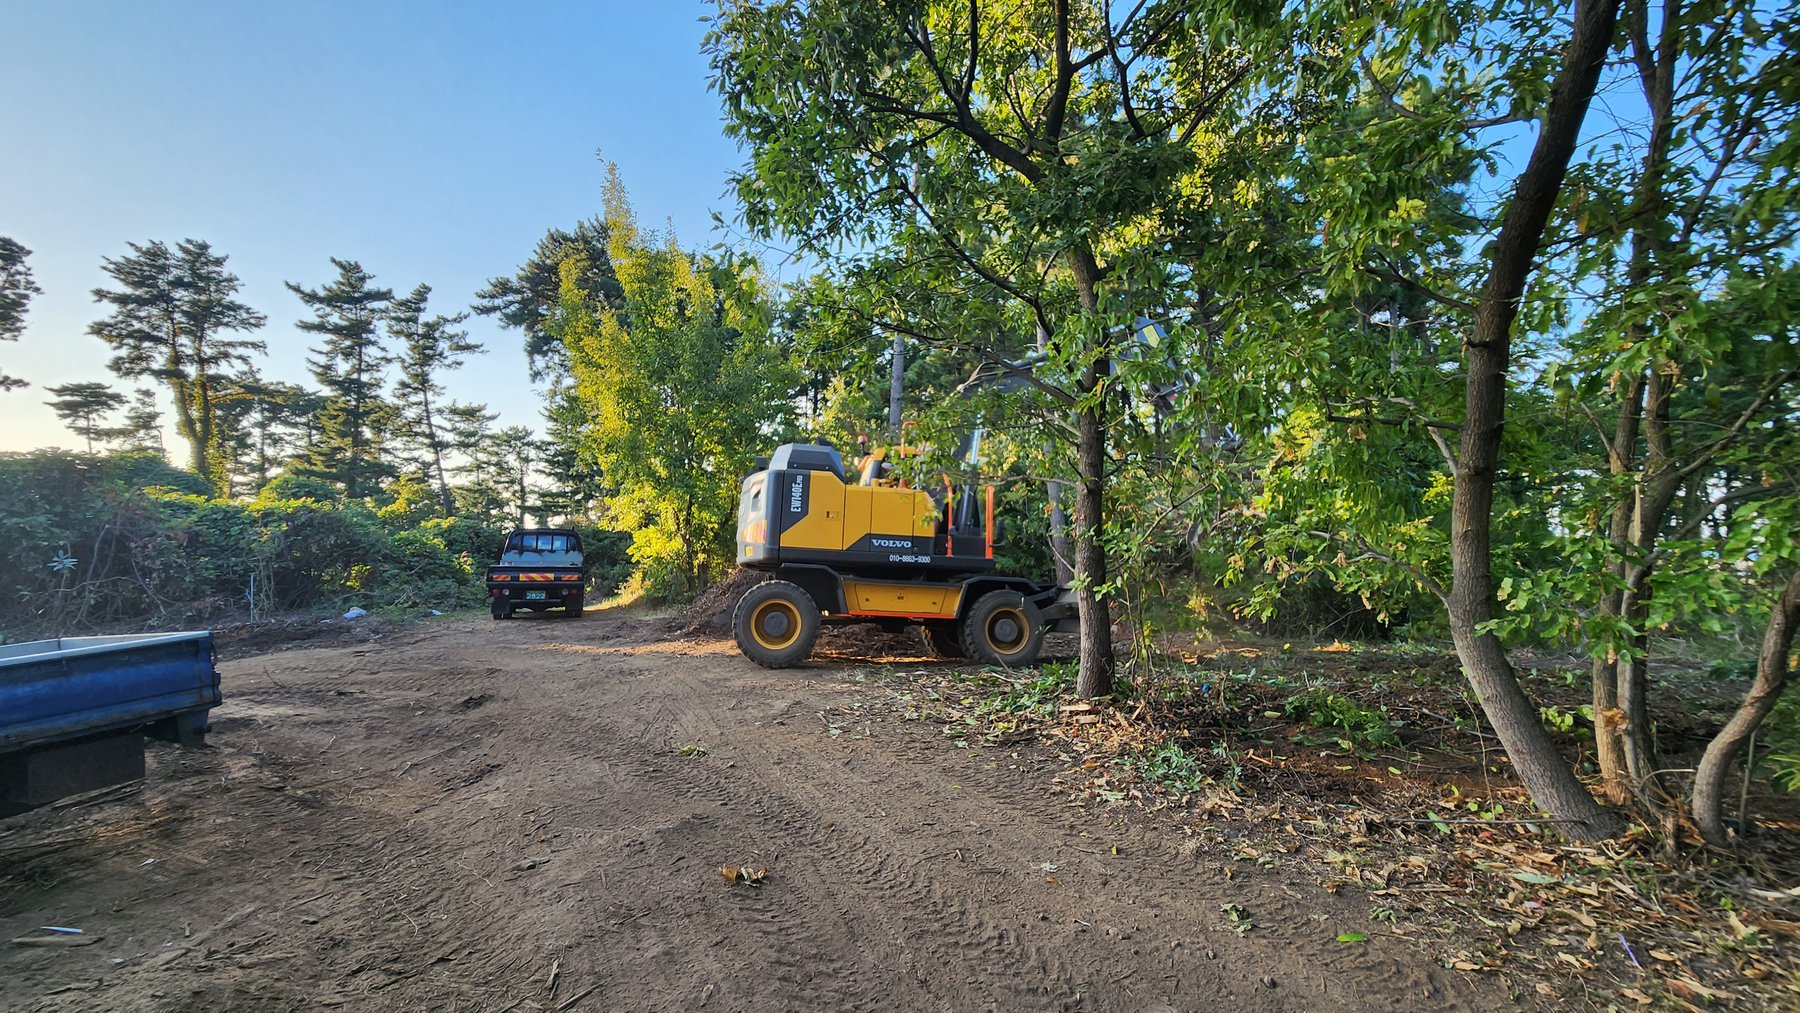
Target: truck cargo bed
<point x="72" y="709"/>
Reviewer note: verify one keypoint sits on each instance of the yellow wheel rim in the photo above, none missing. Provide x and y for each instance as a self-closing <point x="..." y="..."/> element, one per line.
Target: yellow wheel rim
<point x="1007" y="631"/>
<point x="775" y="624"/>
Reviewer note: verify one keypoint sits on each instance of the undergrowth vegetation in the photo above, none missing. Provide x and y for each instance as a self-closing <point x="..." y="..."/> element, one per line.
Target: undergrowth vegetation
<point x="1370" y="769"/>
<point x="125" y="541"/>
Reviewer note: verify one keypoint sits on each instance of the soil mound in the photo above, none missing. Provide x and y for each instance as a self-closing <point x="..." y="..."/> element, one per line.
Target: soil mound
<point x="711" y="612"/>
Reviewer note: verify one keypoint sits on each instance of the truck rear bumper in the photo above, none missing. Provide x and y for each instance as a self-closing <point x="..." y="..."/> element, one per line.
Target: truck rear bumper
<point x="527" y="596"/>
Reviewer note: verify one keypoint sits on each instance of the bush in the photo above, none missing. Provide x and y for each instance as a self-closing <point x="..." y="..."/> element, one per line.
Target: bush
<point x="608" y="555"/>
<point x="468" y="538"/>
<point x="95" y="542"/>
<point x="1356" y="728"/>
<point x="293" y="487"/>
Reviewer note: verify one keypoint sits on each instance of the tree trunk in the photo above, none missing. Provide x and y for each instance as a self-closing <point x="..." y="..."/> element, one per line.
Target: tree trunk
<point x="1609" y="743"/>
<point x="1053" y="494"/>
<point x="1628" y="726"/>
<point x="437" y="456"/>
<point x="1654" y="492"/>
<point x="1546" y="775"/>
<point x="1771" y="678"/>
<point x="1095" y="674"/>
<point x="185" y="424"/>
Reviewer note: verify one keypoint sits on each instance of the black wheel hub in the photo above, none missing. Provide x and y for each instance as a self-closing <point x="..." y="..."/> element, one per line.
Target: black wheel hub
<point x="775" y="624"/>
<point x="1005" y="630"/>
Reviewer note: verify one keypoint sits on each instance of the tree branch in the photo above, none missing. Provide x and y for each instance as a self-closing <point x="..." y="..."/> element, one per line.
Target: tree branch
<point x="1393" y="102"/>
<point x="966" y="122"/>
<point x="1432" y="427"/>
<point x="1395" y="277"/>
<point x="1737" y="428"/>
<point x="1210" y="104"/>
<point x="1426" y="580"/>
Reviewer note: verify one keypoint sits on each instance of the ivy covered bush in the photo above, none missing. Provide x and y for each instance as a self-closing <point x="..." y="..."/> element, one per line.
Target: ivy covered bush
<point x="90" y="542"/>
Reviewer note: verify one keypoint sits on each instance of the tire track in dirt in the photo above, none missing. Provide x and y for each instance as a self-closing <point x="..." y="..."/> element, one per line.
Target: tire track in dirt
<point x="897" y="886"/>
<point x="445" y="818"/>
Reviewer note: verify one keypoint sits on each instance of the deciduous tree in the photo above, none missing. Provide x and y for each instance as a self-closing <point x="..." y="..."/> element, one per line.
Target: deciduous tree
<point x="1009" y="167"/>
<point x="682" y="387"/>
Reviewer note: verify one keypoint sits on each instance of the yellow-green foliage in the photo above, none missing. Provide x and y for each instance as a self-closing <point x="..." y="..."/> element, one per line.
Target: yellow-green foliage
<point x="682" y="386"/>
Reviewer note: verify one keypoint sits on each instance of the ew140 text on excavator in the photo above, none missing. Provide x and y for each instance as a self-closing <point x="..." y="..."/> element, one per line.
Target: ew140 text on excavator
<point x="866" y="548"/>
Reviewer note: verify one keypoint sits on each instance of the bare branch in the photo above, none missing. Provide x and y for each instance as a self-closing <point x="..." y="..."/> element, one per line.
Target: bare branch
<point x="966" y="122"/>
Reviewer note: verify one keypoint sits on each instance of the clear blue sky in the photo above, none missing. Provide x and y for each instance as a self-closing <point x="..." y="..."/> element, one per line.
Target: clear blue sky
<point x="433" y="141"/>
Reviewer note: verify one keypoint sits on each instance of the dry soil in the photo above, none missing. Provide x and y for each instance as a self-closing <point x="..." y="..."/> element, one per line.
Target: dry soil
<point x="533" y="815"/>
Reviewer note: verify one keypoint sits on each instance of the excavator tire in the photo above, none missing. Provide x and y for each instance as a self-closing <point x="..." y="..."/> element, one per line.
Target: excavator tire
<point x="775" y="624"/>
<point x="945" y="640"/>
<point x="1003" y="629"/>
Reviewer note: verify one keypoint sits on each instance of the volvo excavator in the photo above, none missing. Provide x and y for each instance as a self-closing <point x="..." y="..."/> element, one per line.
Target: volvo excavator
<point x="865" y="547"/>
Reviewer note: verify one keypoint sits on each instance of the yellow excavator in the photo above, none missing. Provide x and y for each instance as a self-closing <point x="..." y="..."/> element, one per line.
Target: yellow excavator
<point x="845" y="548"/>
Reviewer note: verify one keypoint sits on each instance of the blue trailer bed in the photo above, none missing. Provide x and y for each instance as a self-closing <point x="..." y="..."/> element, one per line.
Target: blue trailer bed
<point x="74" y="711"/>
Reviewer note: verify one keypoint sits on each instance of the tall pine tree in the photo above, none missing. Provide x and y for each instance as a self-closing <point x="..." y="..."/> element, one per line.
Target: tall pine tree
<point x="16" y="290"/>
<point x="428" y="347"/>
<point x="273" y="423"/>
<point x="528" y="299"/>
<point x="141" y="431"/>
<point x="577" y="485"/>
<point x="349" y="363"/>
<point x="84" y="406"/>
<point x="173" y="314"/>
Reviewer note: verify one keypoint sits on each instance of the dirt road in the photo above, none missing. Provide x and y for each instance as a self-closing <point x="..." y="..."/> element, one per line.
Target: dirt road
<point x="532" y="816"/>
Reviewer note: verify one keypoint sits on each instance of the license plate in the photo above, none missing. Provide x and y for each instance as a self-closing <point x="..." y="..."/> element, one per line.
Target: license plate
<point x="536" y="595"/>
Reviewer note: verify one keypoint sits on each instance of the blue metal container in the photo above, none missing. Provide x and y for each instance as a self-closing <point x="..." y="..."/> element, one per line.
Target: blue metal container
<point x="66" y="707"/>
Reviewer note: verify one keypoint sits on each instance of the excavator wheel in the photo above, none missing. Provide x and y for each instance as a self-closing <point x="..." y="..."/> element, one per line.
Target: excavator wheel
<point x="1003" y="629"/>
<point x="944" y="640"/>
<point x="776" y="623"/>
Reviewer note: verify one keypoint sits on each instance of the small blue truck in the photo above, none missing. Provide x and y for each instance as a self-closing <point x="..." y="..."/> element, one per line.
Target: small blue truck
<point x="74" y="711"/>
